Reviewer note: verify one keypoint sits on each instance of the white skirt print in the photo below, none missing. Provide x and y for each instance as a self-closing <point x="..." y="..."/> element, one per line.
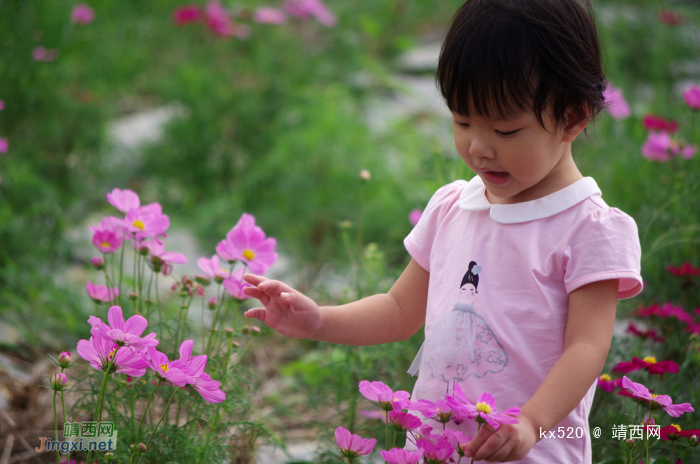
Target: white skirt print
<point x="462" y="344"/>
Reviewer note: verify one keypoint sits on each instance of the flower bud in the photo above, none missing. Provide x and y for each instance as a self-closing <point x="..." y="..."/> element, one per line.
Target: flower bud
<point x="132" y="448"/>
<point x="245" y="330"/>
<point x="255" y="330"/>
<point x="59" y="381"/>
<point x="648" y="421"/>
<point x="167" y="269"/>
<point x="200" y="290"/>
<point x="202" y="279"/>
<point x="143" y="250"/>
<point x="174" y="287"/>
<point x="365" y="175"/>
<point x="693" y="441"/>
<point x="64" y="359"/>
<point x="142" y="448"/>
<point x="109" y="456"/>
<point x="630" y="443"/>
<point x="157" y="263"/>
<point x="214" y="330"/>
<point x="235" y="344"/>
<point x="211" y="304"/>
<point x="184" y="293"/>
<point x="98" y="263"/>
<point x="133" y="296"/>
<point x="229" y="331"/>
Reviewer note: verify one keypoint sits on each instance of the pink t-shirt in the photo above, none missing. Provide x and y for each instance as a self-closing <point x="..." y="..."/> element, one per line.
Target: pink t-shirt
<point x="500" y="278"/>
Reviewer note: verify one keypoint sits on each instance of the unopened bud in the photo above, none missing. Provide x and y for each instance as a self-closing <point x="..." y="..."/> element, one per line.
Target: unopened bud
<point x="693" y="441"/>
<point x="133" y="296"/>
<point x="211" y="304"/>
<point x="109" y="456"/>
<point x="167" y="269"/>
<point x="630" y="443"/>
<point x="132" y="447"/>
<point x="143" y="250"/>
<point x="64" y="359"/>
<point x="365" y="175"/>
<point x="229" y="331"/>
<point x="174" y="287"/>
<point x="255" y="330"/>
<point x="245" y="330"/>
<point x="157" y="263"/>
<point x="214" y="330"/>
<point x="202" y="279"/>
<point x="648" y="421"/>
<point x="59" y="381"/>
<point x="184" y="293"/>
<point x="235" y="344"/>
<point x="142" y="448"/>
<point x="200" y="291"/>
<point x="98" y="263"/>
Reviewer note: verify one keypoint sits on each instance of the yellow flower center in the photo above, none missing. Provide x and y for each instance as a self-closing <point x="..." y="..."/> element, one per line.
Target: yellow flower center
<point x="223" y="271"/>
<point x="650" y="359"/>
<point x="483" y="407"/>
<point x="605" y="377"/>
<point x="112" y="353"/>
<point x="654" y="395"/>
<point x="165" y="368"/>
<point x="106" y="244"/>
<point x="249" y="255"/>
<point x="678" y="427"/>
<point x="395" y="399"/>
<point x="139" y="224"/>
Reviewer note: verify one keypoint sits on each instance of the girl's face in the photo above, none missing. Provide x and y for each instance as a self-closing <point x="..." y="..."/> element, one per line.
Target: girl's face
<point x="517" y="159"/>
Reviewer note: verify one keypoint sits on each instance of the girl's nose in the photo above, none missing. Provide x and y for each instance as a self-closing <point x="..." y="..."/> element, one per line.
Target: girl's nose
<point x="480" y="148"/>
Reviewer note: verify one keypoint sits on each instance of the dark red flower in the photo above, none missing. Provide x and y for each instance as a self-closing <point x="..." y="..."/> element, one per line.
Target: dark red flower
<point x="685" y="269"/>
<point x="652" y="122"/>
<point x="649" y="363"/>
<point x="607" y="384"/>
<point x="651" y="333"/>
<point x="187" y="14"/>
<point x="670" y="432"/>
<point x="670" y="18"/>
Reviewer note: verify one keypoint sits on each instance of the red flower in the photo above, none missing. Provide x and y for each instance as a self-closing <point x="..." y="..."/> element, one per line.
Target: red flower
<point x="651" y="333"/>
<point x="685" y="269"/>
<point x="670" y="18"/>
<point x="187" y="14"/>
<point x="659" y="123"/>
<point x="649" y="363"/>
<point x="670" y="432"/>
<point x="605" y="383"/>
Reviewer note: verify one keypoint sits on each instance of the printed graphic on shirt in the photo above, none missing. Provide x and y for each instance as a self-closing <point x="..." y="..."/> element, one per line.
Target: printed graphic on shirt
<point x="462" y="343"/>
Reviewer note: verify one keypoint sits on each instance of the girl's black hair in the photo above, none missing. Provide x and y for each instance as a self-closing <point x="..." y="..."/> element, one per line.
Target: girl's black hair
<point x="470" y="278"/>
<point x="505" y="57"/>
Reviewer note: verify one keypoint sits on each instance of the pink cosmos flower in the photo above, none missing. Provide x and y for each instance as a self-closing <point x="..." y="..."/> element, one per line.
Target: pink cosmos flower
<point x="267" y="15"/>
<point x="458" y="402"/>
<point x="194" y="367"/>
<point x="156" y="248"/>
<point x="124" y="200"/>
<point x="658" y="123"/>
<point x="649" y="363"/>
<point x="458" y="440"/>
<point x="234" y="285"/>
<point x="100" y="293"/>
<point x="106" y="241"/>
<point x="99" y="351"/>
<point x="607" y="384"/>
<point x="307" y="8"/>
<point x="414" y="216"/>
<point x="663" y="401"/>
<point x="692" y="97"/>
<point x="212" y="267"/>
<point x="439" y="451"/>
<point x="111" y="224"/>
<point x="685" y="269"/>
<point x="82" y="14"/>
<point x="164" y="369"/>
<point x="484" y="410"/>
<point x="123" y="333"/>
<point x="670" y="18"/>
<point x="64" y="359"/>
<point x="42" y="54"/>
<point x="615" y="102"/>
<point x="670" y="432"/>
<point x="146" y="221"/>
<point x="650" y="334"/>
<point x="401" y="456"/>
<point x="657" y="146"/>
<point x="388" y="400"/>
<point x="218" y="21"/>
<point x="4" y="145"/>
<point x="353" y="445"/>
<point x="403" y="421"/>
<point x="247" y="242"/>
<point x="187" y="14"/>
<point x="373" y="414"/>
<point x="440" y="411"/>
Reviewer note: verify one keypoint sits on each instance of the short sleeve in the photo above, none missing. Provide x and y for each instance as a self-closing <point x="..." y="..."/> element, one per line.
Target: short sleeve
<point x="604" y="245"/>
<point x="419" y="242"/>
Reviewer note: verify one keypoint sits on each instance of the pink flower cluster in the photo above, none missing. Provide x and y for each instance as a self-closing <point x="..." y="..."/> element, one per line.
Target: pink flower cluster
<point x="214" y="16"/>
<point x="660" y="146"/>
<point x="433" y="445"/>
<point x="82" y="14"/>
<point x="669" y="310"/>
<point x="615" y="102"/>
<point x="119" y="347"/>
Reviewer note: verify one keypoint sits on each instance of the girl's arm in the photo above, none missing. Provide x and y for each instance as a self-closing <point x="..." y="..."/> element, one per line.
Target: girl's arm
<point x="381" y="318"/>
<point x="589" y="328"/>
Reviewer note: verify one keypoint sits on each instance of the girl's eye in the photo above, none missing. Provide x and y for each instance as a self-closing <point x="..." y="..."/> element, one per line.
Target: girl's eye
<point x="463" y="124"/>
<point x="507" y="134"/>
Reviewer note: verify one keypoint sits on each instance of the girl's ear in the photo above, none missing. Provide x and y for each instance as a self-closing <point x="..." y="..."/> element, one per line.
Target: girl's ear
<point x="576" y="123"/>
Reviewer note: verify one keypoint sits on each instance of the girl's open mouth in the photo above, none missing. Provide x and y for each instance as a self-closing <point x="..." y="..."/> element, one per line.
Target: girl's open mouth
<point x="495" y="177"/>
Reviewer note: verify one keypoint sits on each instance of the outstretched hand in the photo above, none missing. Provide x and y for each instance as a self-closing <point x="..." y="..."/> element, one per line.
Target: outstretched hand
<point x="286" y="310"/>
<point x="512" y="442"/>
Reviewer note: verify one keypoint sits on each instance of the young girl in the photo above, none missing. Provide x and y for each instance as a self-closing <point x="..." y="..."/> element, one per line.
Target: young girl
<point x="516" y="273"/>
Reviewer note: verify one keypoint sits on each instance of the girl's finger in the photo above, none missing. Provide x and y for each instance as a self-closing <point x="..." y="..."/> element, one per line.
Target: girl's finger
<point x="253" y="279"/>
<point x="254" y="292"/>
<point x="298" y="301"/>
<point x="255" y="313"/>
<point x="275" y="287"/>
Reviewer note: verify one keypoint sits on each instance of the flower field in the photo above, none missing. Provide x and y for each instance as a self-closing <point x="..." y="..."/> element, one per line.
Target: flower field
<point x="272" y="165"/>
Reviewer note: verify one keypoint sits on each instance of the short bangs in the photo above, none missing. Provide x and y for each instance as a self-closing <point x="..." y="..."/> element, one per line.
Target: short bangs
<point x="505" y="57"/>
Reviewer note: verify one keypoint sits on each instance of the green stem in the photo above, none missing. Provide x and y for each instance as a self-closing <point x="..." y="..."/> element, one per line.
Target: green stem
<point x="55" y="425"/>
<point x="393" y="445"/>
<point x="100" y="396"/>
<point x="165" y="411"/>
<point x="107" y="282"/>
<point x="138" y="432"/>
<point x="121" y="264"/>
<point x="386" y="442"/>
<point x="670" y="461"/>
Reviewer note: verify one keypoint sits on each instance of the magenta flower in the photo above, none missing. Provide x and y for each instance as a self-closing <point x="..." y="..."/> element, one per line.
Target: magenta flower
<point x="100" y="293"/>
<point x="670" y="18"/>
<point x="218" y="21"/>
<point x="353" y="445"/>
<point x="123" y="200"/>
<point x="615" y="102"/>
<point x="194" y="367"/>
<point x="458" y="404"/>
<point x="2" y="105"/>
<point x="156" y="248"/>
<point x="235" y="283"/>
<point x="247" y="242"/>
<point x="439" y="451"/>
<point x="123" y="333"/>
<point x="187" y="14"/>
<point x="82" y="14"/>
<point x="658" y="401"/>
<point x="651" y="333"/>
<point x="212" y="268"/>
<point x="307" y="8"/>
<point x="606" y="383"/>
<point x="4" y="145"/>
<point x="440" y="411"/>
<point x="692" y="97"/>
<point x="58" y="381"/>
<point x="164" y="369"/>
<point x="401" y="456"/>
<point x="458" y="440"/>
<point x="42" y="54"/>
<point x="484" y="411"/>
<point x="64" y="359"/>
<point x="106" y="241"/>
<point x="414" y="216"/>
<point x="403" y="421"/>
<point x="111" y="224"/>
<point x="657" y="146"/>
<point x="388" y="400"/>
<point x="99" y="351"/>
<point x="267" y="15"/>
<point x="685" y="269"/>
<point x="649" y="363"/>
<point x="146" y="221"/>
<point x="658" y="123"/>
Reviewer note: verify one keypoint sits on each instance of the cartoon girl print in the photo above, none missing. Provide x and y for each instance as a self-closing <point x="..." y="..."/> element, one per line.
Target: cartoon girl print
<point x="462" y="343"/>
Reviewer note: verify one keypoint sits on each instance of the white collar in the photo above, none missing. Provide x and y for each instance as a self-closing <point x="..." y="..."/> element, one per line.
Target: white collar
<point x="473" y="198"/>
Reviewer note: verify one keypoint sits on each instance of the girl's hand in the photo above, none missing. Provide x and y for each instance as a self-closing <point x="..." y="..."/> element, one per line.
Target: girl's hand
<point x="287" y="311"/>
<point x="512" y="443"/>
